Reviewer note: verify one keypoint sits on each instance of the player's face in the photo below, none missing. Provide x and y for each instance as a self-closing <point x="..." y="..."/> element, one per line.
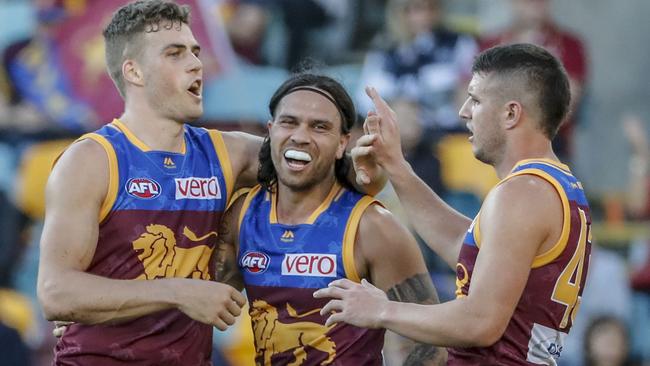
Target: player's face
<point x="173" y="72"/>
<point x="482" y="113"/>
<point x="306" y="140"/>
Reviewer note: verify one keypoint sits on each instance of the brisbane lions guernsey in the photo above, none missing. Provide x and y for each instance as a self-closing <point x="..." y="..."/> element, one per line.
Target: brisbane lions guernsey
<point x="551" y="298"/>
<point x="158" y="220"/>
<point x="283" y="265"/>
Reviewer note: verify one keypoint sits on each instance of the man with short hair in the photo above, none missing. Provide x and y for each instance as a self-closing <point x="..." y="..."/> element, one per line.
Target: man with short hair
<point x="521" y="264"/>
<point x="132" y="209"/>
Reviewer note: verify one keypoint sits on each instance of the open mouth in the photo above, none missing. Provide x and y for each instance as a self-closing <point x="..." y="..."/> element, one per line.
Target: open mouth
<point x="195" y="88"/>
<point x="297" y="159"/>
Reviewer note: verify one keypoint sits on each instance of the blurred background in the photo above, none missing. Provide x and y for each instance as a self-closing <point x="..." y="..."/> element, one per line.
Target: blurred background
<point x="418" y="54"/>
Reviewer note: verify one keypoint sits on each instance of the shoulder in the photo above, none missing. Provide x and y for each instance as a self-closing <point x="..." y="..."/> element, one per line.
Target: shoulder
<point x="82" y="169"/>
<point x="378" y="228"/>
<point x="235" y="139"/>
<point x="524" y="199"/>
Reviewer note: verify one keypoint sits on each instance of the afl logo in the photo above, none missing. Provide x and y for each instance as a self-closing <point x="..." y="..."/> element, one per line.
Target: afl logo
<point x="143" y="188"/>
<point x="255" y="262"/>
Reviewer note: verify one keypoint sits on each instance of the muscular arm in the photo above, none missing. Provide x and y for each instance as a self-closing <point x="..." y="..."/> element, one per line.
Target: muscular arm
<point x="512" y="234"/>
<point x="225" y="256"/>
<point x="74" y="194"/>
<point x="388" y="254"/>
<point x="244" y="149"/>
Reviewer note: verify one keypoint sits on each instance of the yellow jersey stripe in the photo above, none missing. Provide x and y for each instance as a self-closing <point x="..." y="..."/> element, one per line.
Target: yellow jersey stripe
<point x="224" y="161"/>
<point x="350" y="237"/>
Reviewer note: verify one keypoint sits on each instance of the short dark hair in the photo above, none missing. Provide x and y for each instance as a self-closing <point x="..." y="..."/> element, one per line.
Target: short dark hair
<point x="543" y="73"/>
<point x="266" y="174"/>
<point x="129" y="22"/>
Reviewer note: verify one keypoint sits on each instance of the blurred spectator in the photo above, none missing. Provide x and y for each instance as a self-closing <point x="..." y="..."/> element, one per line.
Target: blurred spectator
<point x="607" y="343"/>
<point x="246" y="22"/>
<point x="532" y="23"/>
<point x="417" y="144"/>
<point x="638" y="208"/>
<point x="638" y="192"/>
<point x="419" y="60"/>
<point x="36" y="77"/>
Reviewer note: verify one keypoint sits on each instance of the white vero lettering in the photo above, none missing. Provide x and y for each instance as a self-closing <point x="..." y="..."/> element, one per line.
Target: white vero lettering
<point x="197" y="188"/>
<point x="309" y="264"/>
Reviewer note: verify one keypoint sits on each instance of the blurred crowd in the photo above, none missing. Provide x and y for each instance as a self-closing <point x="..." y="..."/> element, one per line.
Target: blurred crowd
<point x="417" y="53"/>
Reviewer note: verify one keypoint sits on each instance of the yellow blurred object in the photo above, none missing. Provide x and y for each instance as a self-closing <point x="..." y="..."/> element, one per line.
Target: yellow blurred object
<point x="241" y="350"/>
<point x="34" y="169"/>
<point x="16" y="311"/>
<point x="459" y="168"/>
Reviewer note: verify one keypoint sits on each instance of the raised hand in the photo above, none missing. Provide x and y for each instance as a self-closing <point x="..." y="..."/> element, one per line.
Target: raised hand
<point x="361" y="305"/>
<point x="381" y="143"/>
<point x="210" y="302"/>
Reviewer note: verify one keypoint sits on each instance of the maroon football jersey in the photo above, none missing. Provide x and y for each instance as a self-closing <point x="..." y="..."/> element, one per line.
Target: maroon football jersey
<point x="549" y="303"/>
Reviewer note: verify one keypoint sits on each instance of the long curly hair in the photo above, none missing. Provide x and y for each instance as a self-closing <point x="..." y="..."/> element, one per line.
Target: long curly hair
<point x="266" y="174"/>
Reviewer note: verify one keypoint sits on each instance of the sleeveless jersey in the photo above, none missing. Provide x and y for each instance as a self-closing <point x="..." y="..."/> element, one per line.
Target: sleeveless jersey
<point x="551" y="297"/>
<point x="158" y="220"/>
<point x="283" y="265"/>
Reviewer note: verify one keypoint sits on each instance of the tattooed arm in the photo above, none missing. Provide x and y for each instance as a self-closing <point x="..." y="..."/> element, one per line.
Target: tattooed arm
<point x="387" y="254"/>
<point x="224" y="257"/>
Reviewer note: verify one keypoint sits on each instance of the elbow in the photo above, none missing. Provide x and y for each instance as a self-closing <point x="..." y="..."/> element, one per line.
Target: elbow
<point x="50" y="298"/>
<point x="485" y="333"/>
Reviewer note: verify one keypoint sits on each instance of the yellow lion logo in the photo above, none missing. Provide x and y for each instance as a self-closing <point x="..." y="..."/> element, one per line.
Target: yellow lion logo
<point x="273" y="337"/>
<point x="161" y="258"/>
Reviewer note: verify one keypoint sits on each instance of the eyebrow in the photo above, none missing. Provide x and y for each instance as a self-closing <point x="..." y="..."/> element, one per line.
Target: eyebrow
<point x="195" y="48"/>
<point x="293" y="117"/>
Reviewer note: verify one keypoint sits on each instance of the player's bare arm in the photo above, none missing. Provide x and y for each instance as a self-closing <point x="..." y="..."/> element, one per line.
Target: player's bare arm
<point x="512" y="234"/>
<point x="439" y="225"/>
<point x="74" y="195"/>
<point x="388" y="256"/>
<point x="225" y="256"/>
<point x="244" y="149"/>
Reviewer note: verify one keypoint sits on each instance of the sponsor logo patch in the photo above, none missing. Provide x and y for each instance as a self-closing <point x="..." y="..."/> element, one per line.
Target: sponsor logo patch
<point x="144" y="188"/>
<point x="309" y="264"/>
<point x="194" y="188"/>
<point x="255" y="262"/>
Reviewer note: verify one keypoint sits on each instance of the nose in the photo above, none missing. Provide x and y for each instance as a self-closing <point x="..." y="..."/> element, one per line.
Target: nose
<point x="464" y="111"/>
<point x="195" y="63"/>
<point x="300" y="135"/>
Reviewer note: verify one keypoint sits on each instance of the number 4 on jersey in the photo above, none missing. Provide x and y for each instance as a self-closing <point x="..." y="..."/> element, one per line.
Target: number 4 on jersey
<point x="567" y="287"/>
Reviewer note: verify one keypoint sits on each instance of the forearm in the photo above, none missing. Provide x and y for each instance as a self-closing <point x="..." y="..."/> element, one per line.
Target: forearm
<point x="439" y="225"/>
<point x="451" y="324"/>
<point x="85" y="298"/>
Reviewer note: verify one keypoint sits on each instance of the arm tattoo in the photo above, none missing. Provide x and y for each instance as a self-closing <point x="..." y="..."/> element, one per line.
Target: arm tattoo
<point x="224" y="257"/>
<point x="419" y="289"/>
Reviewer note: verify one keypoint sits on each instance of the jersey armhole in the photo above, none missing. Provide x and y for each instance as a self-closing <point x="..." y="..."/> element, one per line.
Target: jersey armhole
<point x="557" y="249"/>
<point x="224" y="160"/>
<point x="113" y="173"/>
<point x="350" y="236"/>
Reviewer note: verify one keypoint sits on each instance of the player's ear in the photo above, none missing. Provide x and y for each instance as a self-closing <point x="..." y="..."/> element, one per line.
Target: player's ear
<point x="269" y="124"/>
<point x="513" y="112"/>
<point x="343" y="144"/>
<point x="132" y="72"/>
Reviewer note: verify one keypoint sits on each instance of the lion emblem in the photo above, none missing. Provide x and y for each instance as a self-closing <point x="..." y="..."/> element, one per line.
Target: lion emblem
<point x="273" y="337"/>
<point x="161" y="258"/>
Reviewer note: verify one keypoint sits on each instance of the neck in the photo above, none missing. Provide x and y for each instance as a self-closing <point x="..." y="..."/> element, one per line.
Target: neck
<point x="295" y="207"/>
<point x="530" y="148"/>
<point x="156" y="132"/>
